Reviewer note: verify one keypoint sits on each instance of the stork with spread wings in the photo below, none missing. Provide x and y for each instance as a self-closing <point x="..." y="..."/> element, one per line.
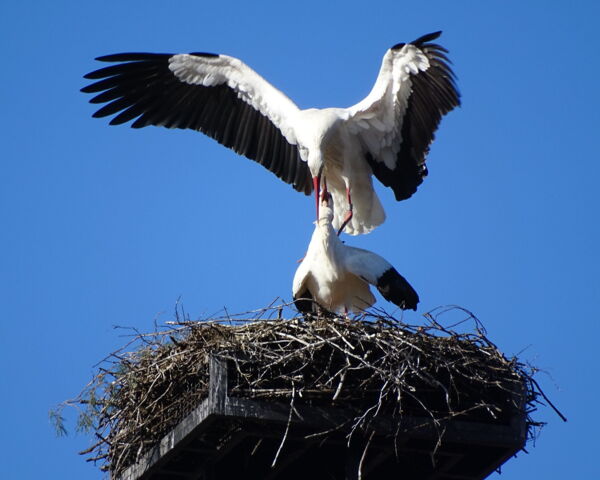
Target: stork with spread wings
<point x="387" y="134"/>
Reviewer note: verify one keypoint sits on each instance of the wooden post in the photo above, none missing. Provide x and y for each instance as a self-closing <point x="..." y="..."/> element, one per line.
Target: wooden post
<point x="217" y="385"/>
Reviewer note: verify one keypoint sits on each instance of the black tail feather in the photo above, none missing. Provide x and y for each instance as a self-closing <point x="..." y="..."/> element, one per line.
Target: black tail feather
<point x="304" y="302"/>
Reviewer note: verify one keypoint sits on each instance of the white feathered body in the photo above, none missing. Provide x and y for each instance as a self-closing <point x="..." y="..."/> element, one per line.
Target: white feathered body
<point x="337" y="276"/>
<point x="323" y="272"/>
<point x="328" y="146"/>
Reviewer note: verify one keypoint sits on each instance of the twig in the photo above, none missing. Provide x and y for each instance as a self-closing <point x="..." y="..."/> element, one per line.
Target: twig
<point x="287" y="427"/>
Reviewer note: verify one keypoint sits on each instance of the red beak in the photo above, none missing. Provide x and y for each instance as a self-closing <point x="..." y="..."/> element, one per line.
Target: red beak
<point x="317" y="189"/>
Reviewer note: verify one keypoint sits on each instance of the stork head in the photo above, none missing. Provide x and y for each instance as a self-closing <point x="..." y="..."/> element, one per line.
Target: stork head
<point x="314" y="130"/>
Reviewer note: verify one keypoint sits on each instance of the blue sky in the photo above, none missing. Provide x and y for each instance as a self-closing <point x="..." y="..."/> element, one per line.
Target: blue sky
<point x="105" y="226"/>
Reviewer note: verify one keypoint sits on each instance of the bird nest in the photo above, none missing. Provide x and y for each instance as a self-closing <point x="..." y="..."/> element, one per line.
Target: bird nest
<point x="373" y="364"/>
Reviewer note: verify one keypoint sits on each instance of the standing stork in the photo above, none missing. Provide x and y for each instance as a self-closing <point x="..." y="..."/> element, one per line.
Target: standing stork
<point x="387" y="134"/>
<point x="336" y="276"/>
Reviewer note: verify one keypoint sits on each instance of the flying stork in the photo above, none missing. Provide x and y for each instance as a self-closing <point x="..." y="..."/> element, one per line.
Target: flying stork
<point x="387" y="134"/>
<point x="336" y="276"/>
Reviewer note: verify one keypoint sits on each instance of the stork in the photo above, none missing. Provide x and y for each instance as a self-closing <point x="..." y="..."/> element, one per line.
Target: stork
<point x="387" y="134"/>
<point x="336" y="276"/>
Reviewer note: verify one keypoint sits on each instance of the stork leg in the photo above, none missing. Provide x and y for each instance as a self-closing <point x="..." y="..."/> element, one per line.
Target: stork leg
<point x="318" y="194"/>
<point x="349" y="213"/>
<point x="324" y="192"/>
<point x="318" y="197"/>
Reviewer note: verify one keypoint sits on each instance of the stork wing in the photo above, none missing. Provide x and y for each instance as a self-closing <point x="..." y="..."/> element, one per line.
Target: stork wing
<point x="397" y="120"/>
<point x="378" y="272"/>
<point x="215" y="94"/>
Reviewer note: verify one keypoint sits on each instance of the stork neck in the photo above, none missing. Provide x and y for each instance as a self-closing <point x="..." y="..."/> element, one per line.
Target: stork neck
<point x="328" y="234"/>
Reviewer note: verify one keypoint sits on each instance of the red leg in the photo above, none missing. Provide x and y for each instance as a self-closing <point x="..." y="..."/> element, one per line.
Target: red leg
<point x="318" y="194"/>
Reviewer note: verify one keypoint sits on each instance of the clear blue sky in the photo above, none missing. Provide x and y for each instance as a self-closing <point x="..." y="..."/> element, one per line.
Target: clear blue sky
<point x="104" y="226"/>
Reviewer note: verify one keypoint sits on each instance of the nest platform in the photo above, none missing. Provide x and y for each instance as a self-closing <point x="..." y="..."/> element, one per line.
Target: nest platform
<point x="321" y="397"/>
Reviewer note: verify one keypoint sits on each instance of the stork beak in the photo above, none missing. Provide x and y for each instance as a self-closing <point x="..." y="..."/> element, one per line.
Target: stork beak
<point x="317" y="189"/>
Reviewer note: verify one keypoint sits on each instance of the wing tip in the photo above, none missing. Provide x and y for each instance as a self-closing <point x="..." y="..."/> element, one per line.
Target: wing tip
<point x="204" y="54"/>
<point x="428" y="37"/>
<point x="419" y="42"/>
<point x="396" y="289"/>
<point x="131" y="56"/>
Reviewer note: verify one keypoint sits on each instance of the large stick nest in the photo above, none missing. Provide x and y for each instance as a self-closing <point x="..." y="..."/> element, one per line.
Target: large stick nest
<point x="373" y="363"/>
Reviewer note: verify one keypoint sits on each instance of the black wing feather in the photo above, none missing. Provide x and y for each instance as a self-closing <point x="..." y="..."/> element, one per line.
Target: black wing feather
<point x="143" y="89"/>
<point x="304" y="302"/>
<point x="396" y="289"/>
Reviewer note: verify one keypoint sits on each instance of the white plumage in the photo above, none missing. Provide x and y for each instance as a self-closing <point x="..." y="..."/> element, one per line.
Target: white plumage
<point x="336" y="276"/>
<point x="386" y="134"/>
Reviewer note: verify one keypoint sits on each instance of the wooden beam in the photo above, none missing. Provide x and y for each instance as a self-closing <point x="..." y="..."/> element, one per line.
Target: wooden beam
<point x="217" y="386"/>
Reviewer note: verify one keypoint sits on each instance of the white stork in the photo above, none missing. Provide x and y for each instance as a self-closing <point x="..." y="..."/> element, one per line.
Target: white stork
<point x="386" y="134"/>
<point x="336" y="276"/>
